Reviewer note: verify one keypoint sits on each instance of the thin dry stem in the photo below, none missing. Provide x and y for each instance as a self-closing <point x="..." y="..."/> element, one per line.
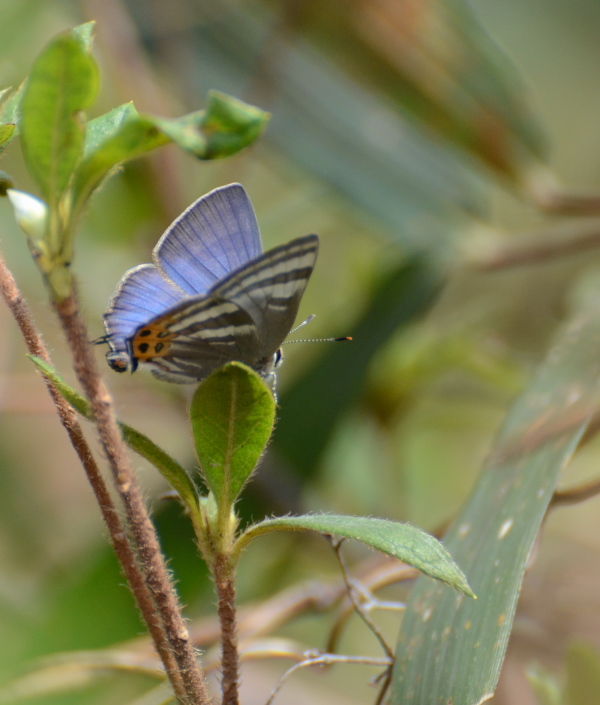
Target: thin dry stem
<point x="575" y="495"/>
<point x="230" y="660"/>
<point x="356" y="599"/>
<point x="142" y="531"/>
<point x="539" y="253"/>
<point x="328" y="660"/>
<point x="35" y="344"/>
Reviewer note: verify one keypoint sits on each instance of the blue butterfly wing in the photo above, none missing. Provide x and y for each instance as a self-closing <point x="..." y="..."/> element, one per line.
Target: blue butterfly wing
<point x="212" y="238"/>
<point x="269" y="289"/>
<point x="142" y="294"/>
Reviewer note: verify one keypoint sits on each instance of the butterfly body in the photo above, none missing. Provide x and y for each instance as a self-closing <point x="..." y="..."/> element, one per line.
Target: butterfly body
<point x="212" y="296"/>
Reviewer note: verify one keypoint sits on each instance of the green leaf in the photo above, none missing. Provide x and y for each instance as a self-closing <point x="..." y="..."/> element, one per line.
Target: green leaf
<point x="7" y="132"/>
<point x="225" y="127"/>
<point x="232" y="415"/>
<point x="10" y="109"/>
<point x="494" y="535"/>
<point x="583" y="675"/>
<point x="63" y="82"/>
<point x="170" y="469"/>
<point x="112" y="139"/>
<point x="409" y="544"/>
<point x="230" y="124"/>
<point x="10" y="104"/>
<point x="185" y="132"/>
<point x="545" y="686"/>
<point x="84" y="33"/>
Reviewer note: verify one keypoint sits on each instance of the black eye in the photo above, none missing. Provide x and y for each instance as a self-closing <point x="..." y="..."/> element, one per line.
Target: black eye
<point x="278" y="357"/>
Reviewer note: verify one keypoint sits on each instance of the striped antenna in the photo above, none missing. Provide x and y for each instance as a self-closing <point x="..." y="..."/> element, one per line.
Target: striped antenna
<point x="317" y="340"/>
<point x="313" y="340"/>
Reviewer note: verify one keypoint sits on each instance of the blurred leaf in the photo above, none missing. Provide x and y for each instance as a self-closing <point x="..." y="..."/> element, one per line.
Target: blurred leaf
<point x="544" y="685"/>
<point x="402" y="541"/>
<point x="345" y="134"/>
<point x="62" y="83"/>
<point x="232" y="415"/>
<point x="226" y="126"/>
<point x="170" y="469"/>
<point x="435" y="61"/>
<point x="230" y="124"/>
<point x="7" y="132"/>
<point x="583" y="675"/>
<point x="73" y="671"/>
<point x="184" y="131"/>
<point x="452" y="650"/>
<point x="9" y="110"/>
<point x="85" y="34"/>
<point x="457" y="80"/>
<point x="313" y="406"/>
<point x="112" y="139"/>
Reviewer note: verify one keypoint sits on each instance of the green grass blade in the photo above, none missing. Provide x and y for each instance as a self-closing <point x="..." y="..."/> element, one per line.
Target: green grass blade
<point x="452" y="650"/>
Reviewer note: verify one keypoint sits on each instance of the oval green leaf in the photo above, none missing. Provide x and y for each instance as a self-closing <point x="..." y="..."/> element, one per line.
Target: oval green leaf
<point x="62" y="83"/>
<point x="411" y="545"/>
<point x="232" y="416"/>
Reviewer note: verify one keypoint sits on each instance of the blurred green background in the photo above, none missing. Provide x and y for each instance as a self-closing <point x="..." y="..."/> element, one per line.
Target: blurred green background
<point x="418" y="139"/>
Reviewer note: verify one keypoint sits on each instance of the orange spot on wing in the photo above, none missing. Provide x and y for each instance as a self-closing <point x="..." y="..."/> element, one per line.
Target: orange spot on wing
<point x="150" y="341"/>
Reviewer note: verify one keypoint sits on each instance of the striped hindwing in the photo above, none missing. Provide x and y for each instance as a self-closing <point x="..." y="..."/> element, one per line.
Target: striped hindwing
<point x="197" y="337"/>
<point x="270" y="288"/>
<point x="245" y="317"/>
<point x="142" y="294"/>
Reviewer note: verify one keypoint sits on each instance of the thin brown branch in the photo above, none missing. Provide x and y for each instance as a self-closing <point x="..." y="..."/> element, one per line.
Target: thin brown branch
<point x="390" y="572"/>
<point x="321" y="659"/>
<point x="230" y="660"/>
<point x="357" y="596"/>
<point x="20" y="311"/>
<point x="555" y="200"/>
<point x="142" y="530"/>
<point x="574" y="239"/>
<point x="575" y="495"/>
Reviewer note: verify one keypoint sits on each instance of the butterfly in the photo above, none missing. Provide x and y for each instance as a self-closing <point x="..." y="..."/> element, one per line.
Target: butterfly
<point x="211" y="295"/>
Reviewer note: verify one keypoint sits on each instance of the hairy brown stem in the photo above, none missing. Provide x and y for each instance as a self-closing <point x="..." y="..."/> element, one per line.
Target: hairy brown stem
<point x="142" y="531"/>
<point x="224" y="576"/>
<point x="20" y="311"/>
